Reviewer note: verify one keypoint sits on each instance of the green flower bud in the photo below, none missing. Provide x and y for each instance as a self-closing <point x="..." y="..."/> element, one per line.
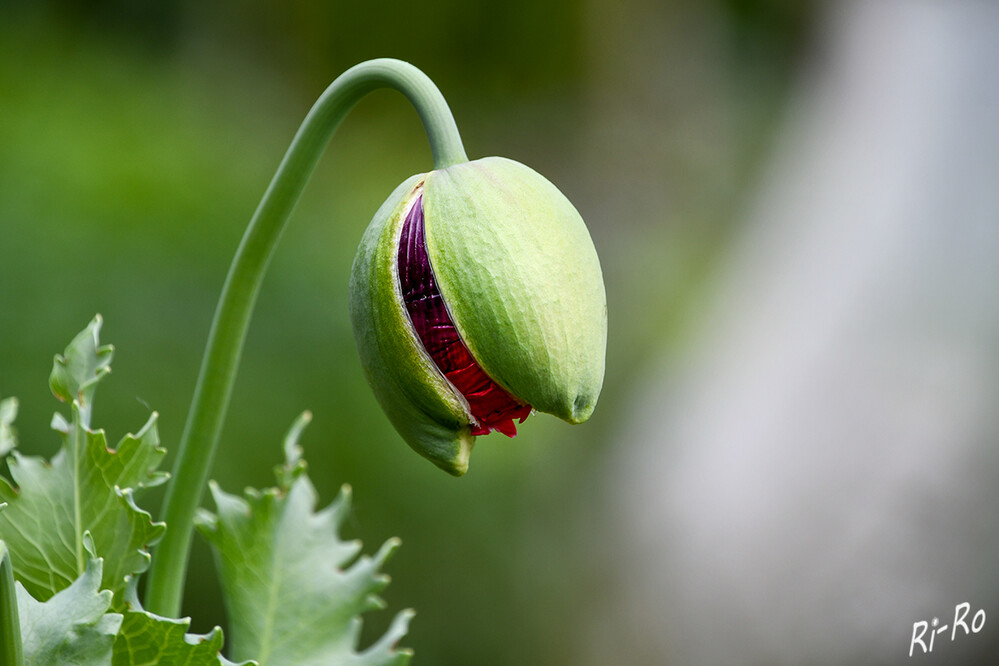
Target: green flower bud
<point x="476" y="296"/>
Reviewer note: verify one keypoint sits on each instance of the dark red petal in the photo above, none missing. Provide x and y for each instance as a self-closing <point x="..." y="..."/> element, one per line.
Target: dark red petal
<point x="491" y="406"/>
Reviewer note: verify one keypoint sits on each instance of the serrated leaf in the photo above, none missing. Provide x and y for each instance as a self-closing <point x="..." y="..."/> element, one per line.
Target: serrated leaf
<point x="56" y="502"/>
<point x="72" y="627"/>
<point x="76" y="372"/>
<point x="133" y="462"/>
<point x="86" y="487"/>
<point x="293" y="590"/>
<point x="146" y="638"/>
<point x="8" y="412"/>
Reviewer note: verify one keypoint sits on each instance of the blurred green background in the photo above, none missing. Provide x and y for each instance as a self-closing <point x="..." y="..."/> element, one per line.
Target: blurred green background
<point x="136" y="139"/>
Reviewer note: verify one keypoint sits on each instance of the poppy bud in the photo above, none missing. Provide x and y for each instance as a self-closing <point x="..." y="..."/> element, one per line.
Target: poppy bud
<point x="477" y="297"/>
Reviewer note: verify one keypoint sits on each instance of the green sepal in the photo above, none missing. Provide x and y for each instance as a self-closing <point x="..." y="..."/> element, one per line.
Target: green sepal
<point x="419" y="401"/>
<point x="516" y="266"/>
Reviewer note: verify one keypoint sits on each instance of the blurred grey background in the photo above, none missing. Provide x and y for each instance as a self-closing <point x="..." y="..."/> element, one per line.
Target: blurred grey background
<point x="818" y="470"/>
<point x="795" y="204"/>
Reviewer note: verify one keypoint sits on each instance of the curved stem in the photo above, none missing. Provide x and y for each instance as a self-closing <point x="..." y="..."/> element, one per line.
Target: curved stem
<point x="232" y="315"/>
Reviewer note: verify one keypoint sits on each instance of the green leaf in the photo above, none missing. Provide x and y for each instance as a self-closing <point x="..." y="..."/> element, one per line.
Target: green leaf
<point x="293" y="590"/>
<point x="73" y="627"/>
<point x="146" y="638"/>
<point x="79" y="490"/>
<point x="8" y="411"/>
<point x="76" y="372"/>
<point x="87" y="487"/>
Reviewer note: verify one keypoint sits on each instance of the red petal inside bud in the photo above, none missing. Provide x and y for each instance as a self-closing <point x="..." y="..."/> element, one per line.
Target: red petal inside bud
<point x="491" y="406"/>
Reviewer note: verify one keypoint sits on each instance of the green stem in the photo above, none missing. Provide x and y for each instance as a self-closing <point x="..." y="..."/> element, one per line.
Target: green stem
<point x="232" y="315"/>
<point x="10" y="626"/>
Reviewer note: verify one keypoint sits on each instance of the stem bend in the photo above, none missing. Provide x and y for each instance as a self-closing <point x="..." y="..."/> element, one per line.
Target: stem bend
<point x="199" y="442"/>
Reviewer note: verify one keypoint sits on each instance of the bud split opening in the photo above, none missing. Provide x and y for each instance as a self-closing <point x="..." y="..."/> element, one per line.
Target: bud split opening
<point x="476" y="298"/>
